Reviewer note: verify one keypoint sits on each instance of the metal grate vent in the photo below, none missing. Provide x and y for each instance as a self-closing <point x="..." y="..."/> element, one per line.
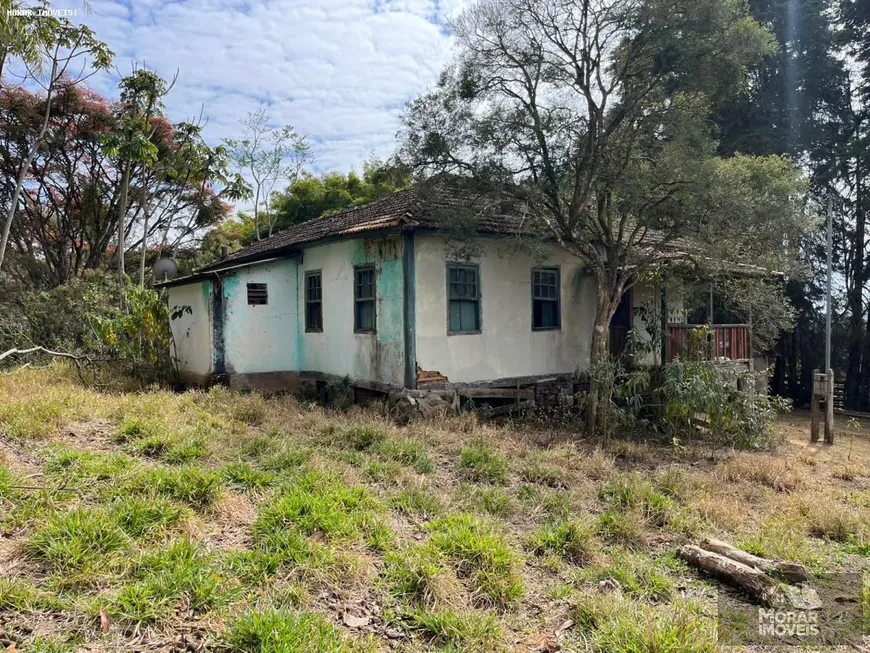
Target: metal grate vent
<point x="257" y="294"/>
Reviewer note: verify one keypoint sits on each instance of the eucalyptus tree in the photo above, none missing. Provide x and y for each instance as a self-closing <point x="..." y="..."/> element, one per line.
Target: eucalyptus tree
<point x="52" y="52"/>
<point x="596" y="113"/>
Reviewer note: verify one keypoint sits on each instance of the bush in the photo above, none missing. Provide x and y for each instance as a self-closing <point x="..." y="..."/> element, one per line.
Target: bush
<point x="737" y="415"/>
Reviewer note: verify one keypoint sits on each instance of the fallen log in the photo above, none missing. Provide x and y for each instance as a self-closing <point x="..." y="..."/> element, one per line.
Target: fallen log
<point x="753" y="581"/>
<point x="788" y="571"/>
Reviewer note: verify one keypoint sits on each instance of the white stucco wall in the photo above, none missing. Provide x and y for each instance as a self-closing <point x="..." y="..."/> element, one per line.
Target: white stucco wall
<point x="191" y="332"/>
<point x="377" y="357"/>
<point x="261" y="338"/>
<point x="506" y="346"/>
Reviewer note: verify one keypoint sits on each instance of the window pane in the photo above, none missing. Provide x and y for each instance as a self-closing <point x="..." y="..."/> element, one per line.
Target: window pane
<point x="365" y="280"/>
<point x="464" y="315"/>
<point x="469" y="316"/>
<point x="365" y="315"/>
<point x="314" y="317"/>
<point x="455" y="321"/>
<point x="545" y="314"/>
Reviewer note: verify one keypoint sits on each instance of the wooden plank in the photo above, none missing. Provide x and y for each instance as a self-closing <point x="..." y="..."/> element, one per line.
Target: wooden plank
<point x="496" y="393"/>
<point x="509" y="408"/>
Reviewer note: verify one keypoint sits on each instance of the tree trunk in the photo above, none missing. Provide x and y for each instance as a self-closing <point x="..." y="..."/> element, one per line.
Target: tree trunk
<point x="598" y="353"/>
<point x="122" y="214"/>
<point x="854" y="367"/>
<point x="787" y="571"/>
<point x="144" y="249"/>
<point x="752" y="581"/>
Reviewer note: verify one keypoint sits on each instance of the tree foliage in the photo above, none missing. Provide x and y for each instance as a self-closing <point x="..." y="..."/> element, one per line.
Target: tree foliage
<point x="597" y="115"/>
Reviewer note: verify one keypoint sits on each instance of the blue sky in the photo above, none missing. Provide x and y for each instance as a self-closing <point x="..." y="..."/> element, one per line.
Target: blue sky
<point x="337" y="70"/>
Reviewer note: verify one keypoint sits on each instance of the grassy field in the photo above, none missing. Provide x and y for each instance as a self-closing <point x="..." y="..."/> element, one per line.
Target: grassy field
<point x="216" y="521"/>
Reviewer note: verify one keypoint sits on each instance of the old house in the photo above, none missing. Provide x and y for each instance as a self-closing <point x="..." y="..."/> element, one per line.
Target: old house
<point x="399" y="294"/>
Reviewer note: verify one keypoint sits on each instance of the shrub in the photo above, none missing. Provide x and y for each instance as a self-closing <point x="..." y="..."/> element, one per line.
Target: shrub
<point x="737" y="415"/>
<point x="273" y="630"/>
<point x="479" y="461"/>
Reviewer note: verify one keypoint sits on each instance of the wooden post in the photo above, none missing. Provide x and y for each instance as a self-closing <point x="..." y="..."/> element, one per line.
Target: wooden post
<point x="829" y="408"/>
<point x="814" y="409"/>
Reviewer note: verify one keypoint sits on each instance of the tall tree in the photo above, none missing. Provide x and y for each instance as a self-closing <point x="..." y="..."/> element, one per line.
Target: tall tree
<point x="596" y="113"/>
<point x="51" y="55"/>
<point x="267" y="156"/>
<point x="141" y="101"/>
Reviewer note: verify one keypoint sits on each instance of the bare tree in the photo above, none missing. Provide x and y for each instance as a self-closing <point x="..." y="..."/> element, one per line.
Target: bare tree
<point x="267" y="156"/>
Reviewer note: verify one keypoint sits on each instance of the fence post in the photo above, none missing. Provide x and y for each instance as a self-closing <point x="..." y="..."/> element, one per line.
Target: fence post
<point x="829" y="408"/>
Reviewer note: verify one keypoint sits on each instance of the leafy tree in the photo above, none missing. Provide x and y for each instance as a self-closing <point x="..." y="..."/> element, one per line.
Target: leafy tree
<point x="267" y="156"/>
<point x="596" y="115"/>
<point x="311" y="196"/>
<point x="51" y="54"/>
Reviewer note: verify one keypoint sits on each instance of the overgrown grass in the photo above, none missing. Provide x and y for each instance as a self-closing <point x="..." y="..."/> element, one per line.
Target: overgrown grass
<point x="236" y="518"/>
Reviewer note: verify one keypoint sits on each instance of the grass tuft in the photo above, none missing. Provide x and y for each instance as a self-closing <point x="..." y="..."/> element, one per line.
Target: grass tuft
<point x="197" y="487"/>
<point x="573" y="540"/>
<point x="460" y="631"/>
<point x="480" y="462"/>
<point x="416" y="503"/>
<point x="141" y="516"/>
<point x="280" y="630"/>
<point x="481" y="555"/>
<point x="244" y="476"/>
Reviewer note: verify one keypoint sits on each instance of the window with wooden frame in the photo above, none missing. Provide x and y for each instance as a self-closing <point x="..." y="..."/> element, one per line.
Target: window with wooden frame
<point x="314" y="301"/>
<point x="546" y="313"/>
<point x="364" y="317"/>
<point x="463" y="298"/>
<point x="258" y="294"/>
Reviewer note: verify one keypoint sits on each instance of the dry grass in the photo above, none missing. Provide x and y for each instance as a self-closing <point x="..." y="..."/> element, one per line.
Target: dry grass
<point x="256" y="524"/>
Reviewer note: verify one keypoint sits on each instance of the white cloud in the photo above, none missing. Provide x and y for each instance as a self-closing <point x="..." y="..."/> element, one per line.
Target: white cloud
<point x="338" y="70"/>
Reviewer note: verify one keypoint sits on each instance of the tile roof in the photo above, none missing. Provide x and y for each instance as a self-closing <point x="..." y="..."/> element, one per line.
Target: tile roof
<point x="419" y="207"/>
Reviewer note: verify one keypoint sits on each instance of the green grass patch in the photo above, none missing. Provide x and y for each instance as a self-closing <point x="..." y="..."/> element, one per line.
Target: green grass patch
<point x="457" y="630"/>
<point x="17" y="595"/>
<point x="480" y="462"/>
<point x="416" y="574"/>
<point x="416" y="503"/>
<point x="244" y="476"/>
<point x="89" y="466"/>
<point x="281" y="630"/>
<point x="481" y="555"/>
<point x="637" y="574"/>
<point x="180" y="573"/>
<point x="286" y="459"/>
<point x="316" y="502"/>
<point x="77" y="542"/>
<point x="33" y="419"/>
<point x="540" y="471"/>
<point x="615" y="624"/>
<point x="409" y="452"/>
<point x="362" y="437"/>
<point x="197" y="487"/>
<point x="141" y="516"/>
<point x="482" y="498"/>
<point x="624" y="528"/>
<point x="633" y="491"/>
<point x="573" y="540"/>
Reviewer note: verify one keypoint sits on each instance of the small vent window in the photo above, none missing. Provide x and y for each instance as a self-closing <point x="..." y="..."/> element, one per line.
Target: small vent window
<point x="258" y="294"/>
